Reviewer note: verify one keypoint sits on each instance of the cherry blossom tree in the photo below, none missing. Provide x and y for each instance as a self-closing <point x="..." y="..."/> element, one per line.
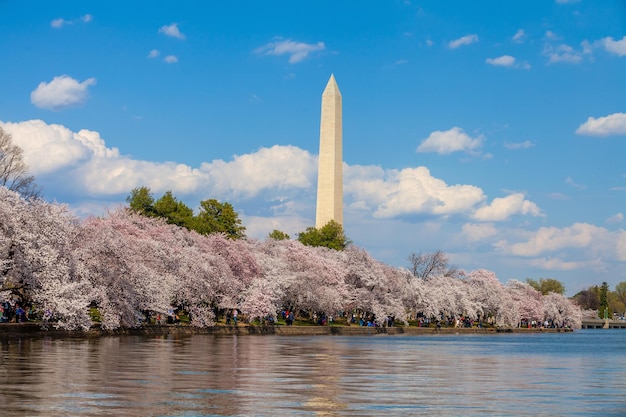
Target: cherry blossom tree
<point x="493" y="298"/>
<point x="375" y="287"/>
<point x="562" y="311"/>
<point x="35" y="238"/>
<point x="528" y="300"/>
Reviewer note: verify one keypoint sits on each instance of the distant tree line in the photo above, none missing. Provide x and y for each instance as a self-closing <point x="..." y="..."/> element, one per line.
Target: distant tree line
<point x="603" y="300"/>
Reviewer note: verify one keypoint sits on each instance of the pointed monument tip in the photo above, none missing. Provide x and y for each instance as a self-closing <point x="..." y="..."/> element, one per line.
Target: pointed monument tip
<point x="331" y="86"/>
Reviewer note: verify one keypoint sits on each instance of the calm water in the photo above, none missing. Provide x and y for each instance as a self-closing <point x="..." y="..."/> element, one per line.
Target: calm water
<point x="579" y="374"/>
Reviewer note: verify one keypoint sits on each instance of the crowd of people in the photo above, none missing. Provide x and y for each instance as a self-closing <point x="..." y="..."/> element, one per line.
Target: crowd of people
<point x="12" y="312"/>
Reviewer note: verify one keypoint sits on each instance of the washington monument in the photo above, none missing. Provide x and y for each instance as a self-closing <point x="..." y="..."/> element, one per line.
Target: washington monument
<point x="329" y="174"/>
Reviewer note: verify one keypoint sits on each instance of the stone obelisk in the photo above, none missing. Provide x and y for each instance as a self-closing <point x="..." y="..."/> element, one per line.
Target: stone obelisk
<point x="330" y="173"/>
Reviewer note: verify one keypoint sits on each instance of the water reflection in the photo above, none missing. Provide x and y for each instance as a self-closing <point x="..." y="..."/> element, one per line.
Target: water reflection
<point x="555" y="374"/>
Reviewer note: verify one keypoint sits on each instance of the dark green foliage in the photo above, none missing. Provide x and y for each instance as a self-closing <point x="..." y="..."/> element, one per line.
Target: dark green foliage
<point x="278" y="235"/>
<point x="213" y="217"/>
<point x="216" y="217"/>
<point x="330" y="235"/>
<point x="176" y="212"/>
<point x="141" y="201"/>
<point x="604" y="311"/>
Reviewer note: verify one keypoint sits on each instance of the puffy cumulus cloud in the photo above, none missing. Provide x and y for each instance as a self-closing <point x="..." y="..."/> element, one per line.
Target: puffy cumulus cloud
<point x="171" y="31"/>
<point x="413" y="191"/>
<point x="453" y="140"/>
<point x="153" y="53"/>
<point x="63" y="91"/>
<point x="170" y="59"/>
<point x="48" y="148"/>
<point x="367" y="185"/>
<point x="99" y="171"/>
<point x="475" y="232"/>
<point x="613" y="124"/>
<point x="612" y="46"/>
<point x="464" y="40"/>
<point x="503" y="208"/>
<point x="596" y="241"/>
<point x="297" y="51"/>
<point x="278" y="167"/>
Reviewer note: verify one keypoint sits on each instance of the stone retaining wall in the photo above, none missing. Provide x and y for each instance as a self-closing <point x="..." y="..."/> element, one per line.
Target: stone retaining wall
<point x="19" y="330"/>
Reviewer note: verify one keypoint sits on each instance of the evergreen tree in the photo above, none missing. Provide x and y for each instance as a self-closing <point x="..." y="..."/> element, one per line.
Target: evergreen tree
<point x="278" y="235"/>
<point x="331" y="236"/>
<point x="216" y="217"/>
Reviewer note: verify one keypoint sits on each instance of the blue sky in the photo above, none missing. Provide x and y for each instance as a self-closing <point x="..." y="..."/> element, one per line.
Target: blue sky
<point x="494" y="131"/>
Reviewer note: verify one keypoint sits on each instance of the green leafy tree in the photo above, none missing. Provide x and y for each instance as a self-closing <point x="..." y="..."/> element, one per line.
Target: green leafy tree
<point x="603" y="310"/>
<point x="331" y="235"/>
<point x="141" y="201"/>
<point x="547" y="285"/>
<point x="620" y="292"/>
<point x="176" y="212"/>
<point x="615" y="304"/>
<point x="278" y="235"/>
<point x="217" y="217"/>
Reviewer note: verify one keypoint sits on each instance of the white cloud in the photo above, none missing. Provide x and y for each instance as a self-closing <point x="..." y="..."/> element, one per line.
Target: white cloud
<point x="172" y="31"/>
<point x="616" y="218"/>
<point x="59" y="23"/>
<point x="502" y="61"/>
<point x="464" y="40"/>
<point x="502" y="209"/>
<point x="519" y="145"/>
<point x="413" y="191"/>
<point x="562" y="53"/>
<point x="519" y="36"/>
<point x="615" y="47"/>
<point x="98" y="170"/>
<point x="507" y="61"/>
<point x="593" y="240"/>
<point x="453" y="140"/>
<point x="297" y="51"/>
<point x="613" y="124"/>
<point x="558" y="264"/>
<point x="52" y="147"/>
<point x="475" y="232"/>
<point x="63" y="91"/>
<point x="171" y="59"/>
<point x="154" y="53"/>
<point x="278" y="167"/>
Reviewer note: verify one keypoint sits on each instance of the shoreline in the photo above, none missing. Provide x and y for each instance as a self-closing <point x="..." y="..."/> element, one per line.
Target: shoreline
<point x="21" y="330"/>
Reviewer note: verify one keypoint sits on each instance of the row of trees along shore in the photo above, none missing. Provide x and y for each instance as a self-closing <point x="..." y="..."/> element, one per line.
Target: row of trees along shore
<point x="138" y="261"/>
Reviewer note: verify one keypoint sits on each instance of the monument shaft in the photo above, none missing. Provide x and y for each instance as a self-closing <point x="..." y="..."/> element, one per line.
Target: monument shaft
<point x="330" y="170"/>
